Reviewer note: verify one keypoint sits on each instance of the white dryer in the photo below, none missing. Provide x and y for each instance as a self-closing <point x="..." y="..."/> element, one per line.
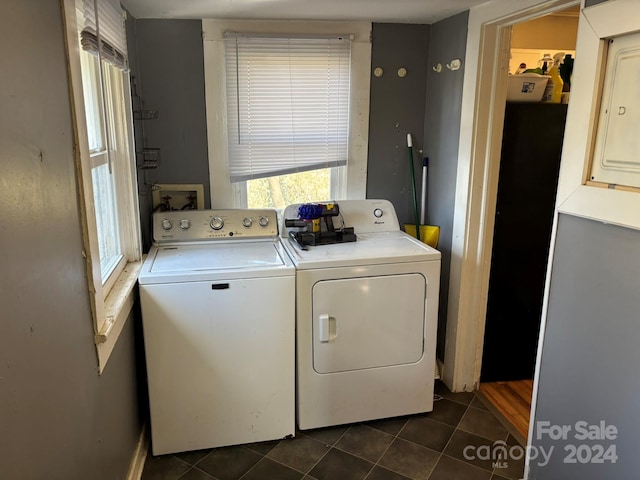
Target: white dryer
<point x="366" y="319"/>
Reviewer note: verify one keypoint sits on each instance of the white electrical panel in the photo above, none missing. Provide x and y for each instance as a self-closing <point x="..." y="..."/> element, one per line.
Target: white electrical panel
<point x="616" y="158"/>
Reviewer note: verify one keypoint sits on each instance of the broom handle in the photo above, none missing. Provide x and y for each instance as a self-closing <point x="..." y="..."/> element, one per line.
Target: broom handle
<point x="413" y="185"/>
<point x="423" y="203"/>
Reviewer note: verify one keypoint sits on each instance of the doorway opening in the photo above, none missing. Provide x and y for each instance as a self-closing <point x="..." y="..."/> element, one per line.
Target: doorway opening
<point x="529" y="164"/>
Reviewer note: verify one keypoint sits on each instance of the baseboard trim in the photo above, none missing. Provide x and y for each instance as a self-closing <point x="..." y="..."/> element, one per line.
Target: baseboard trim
<point x="139" y="455"/>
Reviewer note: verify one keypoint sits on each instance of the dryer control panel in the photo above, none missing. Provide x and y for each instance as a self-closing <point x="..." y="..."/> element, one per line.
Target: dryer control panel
<point x="364" y="216"/>
<point x="195" y="225"/>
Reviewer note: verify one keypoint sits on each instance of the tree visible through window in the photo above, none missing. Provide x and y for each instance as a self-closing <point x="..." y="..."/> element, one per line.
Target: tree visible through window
<point x="283" y="190"/>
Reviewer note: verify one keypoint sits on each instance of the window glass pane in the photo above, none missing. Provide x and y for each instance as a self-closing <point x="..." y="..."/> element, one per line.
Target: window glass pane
<point x="92" y="102"/>
<point x="106" y="219"/>
<point x="114" y="105"/>
<point x="283" y="190"/>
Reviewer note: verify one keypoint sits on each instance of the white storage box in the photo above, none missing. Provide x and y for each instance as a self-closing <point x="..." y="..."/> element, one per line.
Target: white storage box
<point x="526" y="87"/>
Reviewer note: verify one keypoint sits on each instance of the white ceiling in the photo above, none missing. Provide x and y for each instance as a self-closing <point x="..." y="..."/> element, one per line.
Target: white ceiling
<point x="391" y="11"/>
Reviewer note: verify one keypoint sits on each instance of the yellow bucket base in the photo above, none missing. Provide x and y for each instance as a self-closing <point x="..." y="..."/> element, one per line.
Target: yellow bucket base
<point x="429" y="234"/>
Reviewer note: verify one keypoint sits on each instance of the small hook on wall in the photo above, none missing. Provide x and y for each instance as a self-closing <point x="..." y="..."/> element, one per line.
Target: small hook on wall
<point x="455" y="64"/>
<point x="437" y="68"/>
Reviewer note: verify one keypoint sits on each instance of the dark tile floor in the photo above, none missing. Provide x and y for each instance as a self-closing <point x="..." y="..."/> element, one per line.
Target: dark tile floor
<point x="418" y="447"/>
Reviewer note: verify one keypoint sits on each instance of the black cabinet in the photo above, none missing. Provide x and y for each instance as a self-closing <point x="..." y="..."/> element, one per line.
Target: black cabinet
<point x="529" y="166"/>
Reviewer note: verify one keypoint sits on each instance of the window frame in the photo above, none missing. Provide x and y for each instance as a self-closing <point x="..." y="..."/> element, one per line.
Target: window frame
<point x="111" y="302"/>
<point x="224" y="194"/>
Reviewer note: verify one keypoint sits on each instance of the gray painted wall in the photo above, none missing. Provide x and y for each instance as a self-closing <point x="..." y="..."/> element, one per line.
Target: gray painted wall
<point x="170" y="78"/>
<point x="145" y="177"/>
<point x="447" y="41"/>
<point x="58" y="418"/>
<point x="589" y="367"/>
<point x="168" y="66"/>
<point x="396" y="108"/>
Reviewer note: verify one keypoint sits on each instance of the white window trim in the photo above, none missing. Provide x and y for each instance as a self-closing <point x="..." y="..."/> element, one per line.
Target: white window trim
<point x="110" y="306"/>
<point x="618" y="207"/>
<point x="223" y="193"/>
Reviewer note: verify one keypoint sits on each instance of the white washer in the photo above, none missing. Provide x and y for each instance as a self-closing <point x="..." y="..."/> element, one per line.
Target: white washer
<point x="217" y="293"/>
<point x="366" y="320"/>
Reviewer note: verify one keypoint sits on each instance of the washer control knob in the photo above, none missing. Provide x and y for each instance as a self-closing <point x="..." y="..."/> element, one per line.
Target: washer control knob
<point x="264" y="221"/>
<point x="216" y="223"/>
<point x="166" y="224"/>
<point x="247" y="222"/>
<point x="377" y="212"/>
<point x="185" y="223"/>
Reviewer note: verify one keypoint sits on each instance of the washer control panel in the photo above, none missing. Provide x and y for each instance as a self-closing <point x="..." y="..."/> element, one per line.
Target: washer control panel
<point x="194" y="225"/>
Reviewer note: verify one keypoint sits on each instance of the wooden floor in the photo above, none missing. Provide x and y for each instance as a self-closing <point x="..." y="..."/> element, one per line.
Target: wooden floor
<point x="512" y="400"/>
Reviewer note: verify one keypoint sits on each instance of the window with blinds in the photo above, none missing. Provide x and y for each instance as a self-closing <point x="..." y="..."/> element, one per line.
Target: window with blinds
<point x="103" y="124"/>
<point x="287" y="103"/>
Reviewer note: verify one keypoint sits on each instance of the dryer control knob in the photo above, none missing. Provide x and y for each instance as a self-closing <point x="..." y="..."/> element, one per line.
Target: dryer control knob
<point x="166" y="224"/>
<point x="216" y="223"/>
<point x="377" y="212"/>
<point x="264" y="221"/>
<point x="247" y="222"/>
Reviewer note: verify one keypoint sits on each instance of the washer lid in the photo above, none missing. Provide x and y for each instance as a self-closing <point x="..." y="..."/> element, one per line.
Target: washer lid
<point x="368" y="249"/>
<point x="196" y="262"/>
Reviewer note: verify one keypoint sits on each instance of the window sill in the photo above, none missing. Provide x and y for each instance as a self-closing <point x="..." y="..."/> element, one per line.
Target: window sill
<point x="117" y="306"/>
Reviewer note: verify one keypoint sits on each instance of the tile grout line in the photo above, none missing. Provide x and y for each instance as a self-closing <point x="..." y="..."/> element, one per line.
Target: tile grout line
<point x="395" y="437"/>
<point x="449" y="441"/>
<point x="331" y="446"/>
<point x="325" y="453"/>
<point x="289" y="466"/>
<point x="441" y="454"/>
<point x="200" y="470"/>
<point x="186" y="463"/>
<point x="493" y="470"/>
<point x="191" y="467"/>
<point x="262" y="457"/>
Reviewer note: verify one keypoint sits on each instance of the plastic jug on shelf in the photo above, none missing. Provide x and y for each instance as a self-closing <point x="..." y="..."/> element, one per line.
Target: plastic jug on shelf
<point x="553" y="92"/>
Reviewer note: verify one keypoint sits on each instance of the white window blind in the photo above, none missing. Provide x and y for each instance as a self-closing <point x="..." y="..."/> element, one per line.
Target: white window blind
<point x="104" y="35"/>
<point x="287" y="103"/>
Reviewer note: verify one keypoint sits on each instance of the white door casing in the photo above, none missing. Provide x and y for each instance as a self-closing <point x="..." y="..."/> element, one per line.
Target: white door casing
<point x="483" y="99"/>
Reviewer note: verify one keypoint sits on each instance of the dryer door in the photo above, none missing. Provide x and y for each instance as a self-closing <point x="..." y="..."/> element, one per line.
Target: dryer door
<point x="368" y="322"/>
